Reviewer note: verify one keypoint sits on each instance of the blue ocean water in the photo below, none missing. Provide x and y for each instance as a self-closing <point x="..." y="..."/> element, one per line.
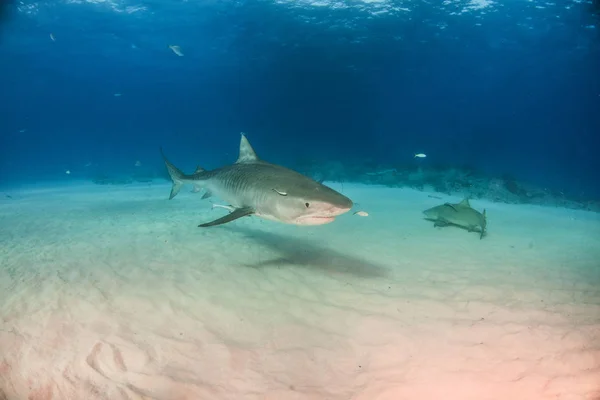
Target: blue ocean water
<point x="116" y="292"/>
<point x="507" y="88"/>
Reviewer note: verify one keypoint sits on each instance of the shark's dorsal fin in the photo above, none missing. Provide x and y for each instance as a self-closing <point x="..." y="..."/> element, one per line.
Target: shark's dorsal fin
<point x="464" y="203"/>
<point x="247" y="154"/>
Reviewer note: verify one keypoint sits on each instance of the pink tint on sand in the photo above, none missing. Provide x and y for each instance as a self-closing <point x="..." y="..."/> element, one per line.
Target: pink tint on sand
<point x="116" y="294"/>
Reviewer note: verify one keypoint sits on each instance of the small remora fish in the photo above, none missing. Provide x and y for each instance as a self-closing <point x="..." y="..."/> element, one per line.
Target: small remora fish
<point x="459" y="214"/>
<point x="255" y="187"/>
<point x="420" y="155"/>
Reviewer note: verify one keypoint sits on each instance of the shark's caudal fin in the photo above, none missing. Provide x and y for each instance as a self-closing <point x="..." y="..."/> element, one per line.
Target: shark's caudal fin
<point x="176" y="175"/>
<point x="484" y="225"/>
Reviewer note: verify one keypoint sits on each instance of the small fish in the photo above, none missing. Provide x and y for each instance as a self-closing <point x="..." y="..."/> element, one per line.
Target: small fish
<point x="117" y="94"/>
<point x="138" y="163"/>
<point x="362" y="213"/>
<point x="52" y="37"/>
<point x="176" y="50"/>
<point x="229" y="208"/>
<point x="23" y="131"/>
<point x="420" y="155"/>
<point x="68" y="172"/>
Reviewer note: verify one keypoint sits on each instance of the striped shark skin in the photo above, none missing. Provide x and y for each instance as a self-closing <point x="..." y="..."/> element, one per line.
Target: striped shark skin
<point x="255" y="187"/>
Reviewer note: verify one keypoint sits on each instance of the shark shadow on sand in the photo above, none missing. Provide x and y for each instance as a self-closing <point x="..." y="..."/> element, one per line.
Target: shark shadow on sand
<point x="308" y="254"/>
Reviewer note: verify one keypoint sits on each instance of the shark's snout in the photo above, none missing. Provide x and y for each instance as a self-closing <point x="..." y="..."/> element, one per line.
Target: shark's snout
<point x="341" y="203"/>
<point x="332" y="203"/>
<point x="325" y="212"/>
<point x="341" y="206"/>
<point x="346" y="205"/>
<point x="429" y="214"/>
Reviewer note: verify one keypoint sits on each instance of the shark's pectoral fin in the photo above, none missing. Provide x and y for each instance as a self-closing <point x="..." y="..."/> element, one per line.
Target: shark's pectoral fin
<point x="235" y="214"/>
<point x="206" y="195"/>
<point x="440" y="222"/>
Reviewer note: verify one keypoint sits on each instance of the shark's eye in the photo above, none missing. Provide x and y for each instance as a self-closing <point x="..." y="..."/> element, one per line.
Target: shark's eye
<point x="307" y="205"/>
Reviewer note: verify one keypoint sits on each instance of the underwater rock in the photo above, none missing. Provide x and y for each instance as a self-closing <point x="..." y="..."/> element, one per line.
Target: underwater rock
<point x="511" y="185"/>
<point x="467" y="182"/>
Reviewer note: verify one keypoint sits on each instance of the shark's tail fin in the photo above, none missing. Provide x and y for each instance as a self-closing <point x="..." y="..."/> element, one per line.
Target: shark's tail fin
<point x="175" y="174"/>
<point x="484" y="226"/>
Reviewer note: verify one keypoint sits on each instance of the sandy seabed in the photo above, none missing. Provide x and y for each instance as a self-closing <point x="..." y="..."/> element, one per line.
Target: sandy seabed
<point x="115" y="293"/>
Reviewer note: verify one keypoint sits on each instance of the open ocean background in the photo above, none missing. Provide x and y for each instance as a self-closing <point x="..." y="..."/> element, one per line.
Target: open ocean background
<point x="92" y="87"/>
<point x="109" y="290"/>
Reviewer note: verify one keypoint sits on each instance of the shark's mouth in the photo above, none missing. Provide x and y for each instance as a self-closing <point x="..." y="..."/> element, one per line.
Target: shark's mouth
<point x="315" y="220"/>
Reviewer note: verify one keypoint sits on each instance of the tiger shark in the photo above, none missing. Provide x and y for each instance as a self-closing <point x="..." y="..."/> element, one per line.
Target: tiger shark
<point x="255" y="187"/>
<point x="459" y="214"/>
